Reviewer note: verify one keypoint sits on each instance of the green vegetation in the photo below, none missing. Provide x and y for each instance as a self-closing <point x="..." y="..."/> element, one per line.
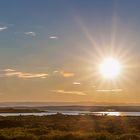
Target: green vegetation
<point x="64" y="127"/>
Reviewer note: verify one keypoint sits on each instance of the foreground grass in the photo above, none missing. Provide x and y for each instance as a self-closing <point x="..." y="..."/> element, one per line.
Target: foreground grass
<point x="63" y="127"/>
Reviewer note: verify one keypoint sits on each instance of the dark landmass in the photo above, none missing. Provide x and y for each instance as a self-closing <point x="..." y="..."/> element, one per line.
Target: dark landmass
<point x="93" y="108"/>
<point x="33" y="104"/>
<point x="37" y="109"/>
<point x="66" y="127"/>
<point x="19" y="110"/>
<point x="83" y="108"/>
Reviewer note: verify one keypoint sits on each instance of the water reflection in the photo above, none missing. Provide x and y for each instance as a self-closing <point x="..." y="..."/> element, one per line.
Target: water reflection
<point x="111" y="113"/>
<point x="53" y="112"/>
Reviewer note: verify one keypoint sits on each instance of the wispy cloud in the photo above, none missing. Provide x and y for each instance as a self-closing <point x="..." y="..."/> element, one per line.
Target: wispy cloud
<point x="63" y="73"/>
<point x="18" y="74"/>
<point x="76" y="83"/>
<point x="67" y="74"/>
<point x="30" y="33"/>
<point x="9" y="70"/>
<point x="109" y="90"/>
<point x="53" y="37"/>
<point x="55" y="71"/>
<point x="69" y="92"/>
<point x="3" y="28"/>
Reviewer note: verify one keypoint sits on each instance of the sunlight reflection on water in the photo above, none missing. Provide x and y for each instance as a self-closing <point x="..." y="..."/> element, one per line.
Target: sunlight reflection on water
<point x="53" y="112"/>
<point x="111" y="113"/>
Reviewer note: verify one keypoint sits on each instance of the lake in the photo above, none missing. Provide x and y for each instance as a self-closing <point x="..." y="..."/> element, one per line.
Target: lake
<point x="53" y="112"/>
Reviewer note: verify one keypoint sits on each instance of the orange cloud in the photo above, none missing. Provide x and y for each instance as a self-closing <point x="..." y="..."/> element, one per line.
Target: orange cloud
<point x="76" y="83"/>
<point x="109" y="90"/>
<point x="67" y="74"/>
<point x="69" y="92"/>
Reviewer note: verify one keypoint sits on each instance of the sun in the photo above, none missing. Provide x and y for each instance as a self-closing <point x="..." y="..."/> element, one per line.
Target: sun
<point x="110" y="68"/>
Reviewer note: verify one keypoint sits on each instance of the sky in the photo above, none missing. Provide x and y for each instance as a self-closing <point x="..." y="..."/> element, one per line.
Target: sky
<point x="50" y="50"/>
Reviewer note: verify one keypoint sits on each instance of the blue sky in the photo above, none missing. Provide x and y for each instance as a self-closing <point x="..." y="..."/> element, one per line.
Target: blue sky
<point x="52" y="42"/>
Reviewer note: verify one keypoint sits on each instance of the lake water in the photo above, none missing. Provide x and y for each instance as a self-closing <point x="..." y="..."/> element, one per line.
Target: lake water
<point x="53" y="112"/>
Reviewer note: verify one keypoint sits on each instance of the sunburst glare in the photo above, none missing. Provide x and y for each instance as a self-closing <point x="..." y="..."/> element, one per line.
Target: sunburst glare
<point x="110" y="68"/>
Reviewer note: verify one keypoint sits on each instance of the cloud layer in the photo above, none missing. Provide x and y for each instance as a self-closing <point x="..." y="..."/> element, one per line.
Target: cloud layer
<point x="3" y="28"/>
<point x="53" y="37"/>
<point x="109" y="90"/>
<point x="63" y="73"/>
<point x="69" y="92"/>
<point x="76" y="83"/>
<point x="19" y="74"/>
<point x="30" y="33"/>
<point x="67" y="74"/>
<point x="9" y="72"/>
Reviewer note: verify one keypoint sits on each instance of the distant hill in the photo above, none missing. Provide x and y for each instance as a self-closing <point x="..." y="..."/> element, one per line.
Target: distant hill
<point x="69" y="108"/>
<point x="30" y="104"/>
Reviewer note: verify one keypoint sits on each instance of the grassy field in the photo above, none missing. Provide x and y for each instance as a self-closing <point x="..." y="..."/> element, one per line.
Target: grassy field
<point x="64" y="127"/>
